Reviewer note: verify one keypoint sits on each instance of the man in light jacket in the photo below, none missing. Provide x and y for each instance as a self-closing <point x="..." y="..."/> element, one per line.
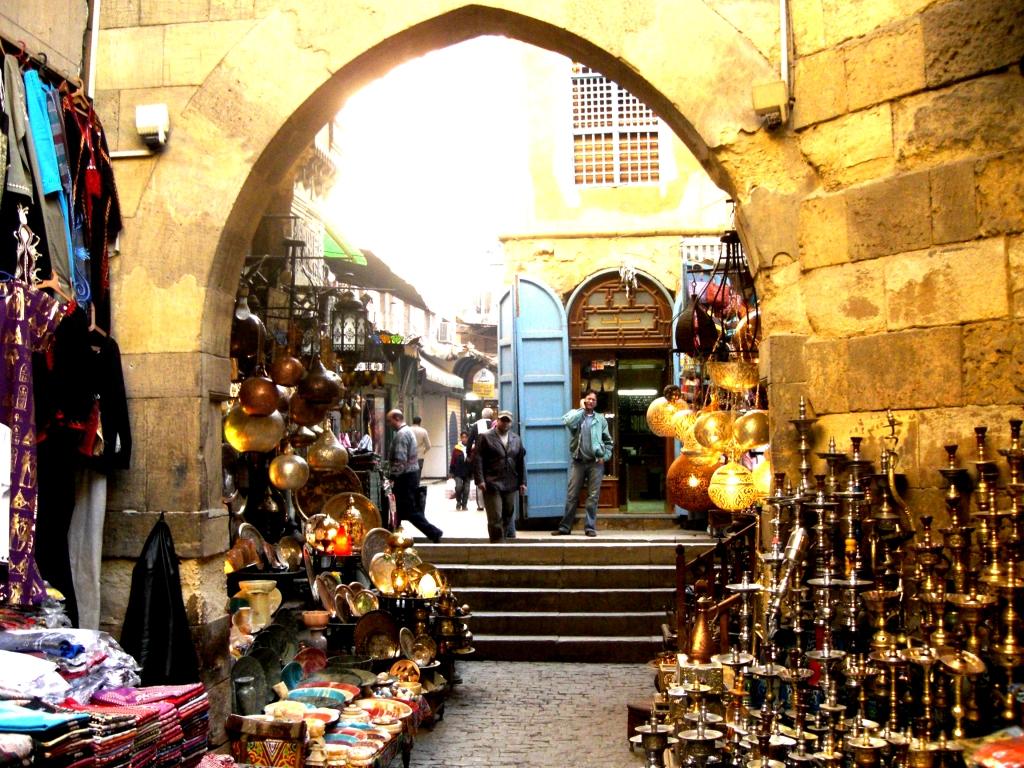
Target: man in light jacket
<point x="590" y="446"/>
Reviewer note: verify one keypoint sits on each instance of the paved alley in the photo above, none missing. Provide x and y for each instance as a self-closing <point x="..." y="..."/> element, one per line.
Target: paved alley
<point x="536" y="715"/>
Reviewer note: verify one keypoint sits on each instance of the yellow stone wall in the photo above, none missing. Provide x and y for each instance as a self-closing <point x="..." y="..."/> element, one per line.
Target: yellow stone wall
<point x="884" y="221"/>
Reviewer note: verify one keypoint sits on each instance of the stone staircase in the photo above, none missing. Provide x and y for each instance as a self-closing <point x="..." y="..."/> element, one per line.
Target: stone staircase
<point x="570" y="599"/>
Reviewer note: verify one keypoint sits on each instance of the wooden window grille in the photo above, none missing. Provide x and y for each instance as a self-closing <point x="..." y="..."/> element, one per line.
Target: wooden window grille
<point x="615" y="135"/>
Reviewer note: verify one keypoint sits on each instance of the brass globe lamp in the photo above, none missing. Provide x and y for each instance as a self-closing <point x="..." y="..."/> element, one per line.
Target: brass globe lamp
<point x="659" y="417"/>
<point x="713" y="430"/>
<point x="257" y="434"/>
<point x="687" y="479"/>
<point x="751" y="430"/>
<point x="288" y="472"/>
<point x="732" y="488"/>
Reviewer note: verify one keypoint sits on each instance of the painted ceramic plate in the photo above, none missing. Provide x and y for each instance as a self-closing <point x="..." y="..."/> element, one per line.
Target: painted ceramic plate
<point x="321" y="697"/>
<point x="270" y="661"/>
<point x="311" y="660"/>
<point x="281" y="639"/>
<point x="385" y="708"/>
<point x="350" y="688"/>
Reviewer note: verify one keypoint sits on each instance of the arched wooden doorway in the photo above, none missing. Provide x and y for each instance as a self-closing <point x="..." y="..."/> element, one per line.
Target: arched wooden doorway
<point x="620" y="346"/>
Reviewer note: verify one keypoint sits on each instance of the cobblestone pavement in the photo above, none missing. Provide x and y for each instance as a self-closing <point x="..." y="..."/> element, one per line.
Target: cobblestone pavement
<point x="517" y="714"/>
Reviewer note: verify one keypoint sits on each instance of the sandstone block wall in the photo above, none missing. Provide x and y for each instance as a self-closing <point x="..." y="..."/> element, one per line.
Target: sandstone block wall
<point x="897" y="178"/>
<point x="911" y="116"/>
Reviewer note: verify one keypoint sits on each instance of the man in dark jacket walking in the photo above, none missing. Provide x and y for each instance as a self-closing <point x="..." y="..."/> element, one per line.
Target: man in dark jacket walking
<point x="499" y="468"/>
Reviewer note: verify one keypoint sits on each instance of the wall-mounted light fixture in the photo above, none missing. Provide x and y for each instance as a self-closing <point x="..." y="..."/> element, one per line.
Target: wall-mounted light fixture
<point x="153" y="125"/>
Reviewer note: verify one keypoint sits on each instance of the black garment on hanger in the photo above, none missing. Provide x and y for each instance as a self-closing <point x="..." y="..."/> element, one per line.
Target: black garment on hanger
<point x="155" y="629"/>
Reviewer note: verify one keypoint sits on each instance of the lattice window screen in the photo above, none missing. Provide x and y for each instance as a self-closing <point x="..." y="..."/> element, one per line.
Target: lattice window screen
<point x="615" y="135"/>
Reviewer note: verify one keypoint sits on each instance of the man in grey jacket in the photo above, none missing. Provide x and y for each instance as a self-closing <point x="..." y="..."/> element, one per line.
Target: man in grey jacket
<point x="590" y="446"/>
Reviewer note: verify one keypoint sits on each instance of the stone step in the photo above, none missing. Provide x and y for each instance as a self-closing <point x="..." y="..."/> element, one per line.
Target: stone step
<point x="626" y="649"/>
<point x="595" y="624"/>
<point x="517" y="599"/>
<point x="562" y="550"/>
<point x="560" y="576"/>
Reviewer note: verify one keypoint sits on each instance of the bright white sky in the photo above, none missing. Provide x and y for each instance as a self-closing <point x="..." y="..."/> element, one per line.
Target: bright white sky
<point x="434" y="167"/>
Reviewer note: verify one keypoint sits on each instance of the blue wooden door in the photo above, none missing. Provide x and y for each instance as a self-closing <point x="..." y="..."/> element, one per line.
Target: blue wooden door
<point x="533" y="382"/>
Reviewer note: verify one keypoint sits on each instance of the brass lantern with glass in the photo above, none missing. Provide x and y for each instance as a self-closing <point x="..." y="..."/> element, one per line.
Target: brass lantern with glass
<point x="349" y="325"/>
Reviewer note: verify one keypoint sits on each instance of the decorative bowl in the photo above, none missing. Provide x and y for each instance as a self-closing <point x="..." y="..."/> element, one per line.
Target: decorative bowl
<point x="321" y="697"/>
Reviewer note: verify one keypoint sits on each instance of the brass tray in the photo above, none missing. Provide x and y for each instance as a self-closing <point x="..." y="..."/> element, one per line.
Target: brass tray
<point x="374" y="542"/>
<point x="376" y="636"/>
<point x="323" y="485"/>
<point x="337" y="505"/>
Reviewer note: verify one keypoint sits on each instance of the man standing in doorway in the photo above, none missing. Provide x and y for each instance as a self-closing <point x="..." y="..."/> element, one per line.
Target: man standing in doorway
<point x="405" y="477"/>
<point x="422" y="440"/>
<point x="499" y="467"/>
<point x="590" y="446"/>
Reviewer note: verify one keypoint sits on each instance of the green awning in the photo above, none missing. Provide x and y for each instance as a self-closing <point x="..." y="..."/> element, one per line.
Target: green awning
<point x="336" y="250"/>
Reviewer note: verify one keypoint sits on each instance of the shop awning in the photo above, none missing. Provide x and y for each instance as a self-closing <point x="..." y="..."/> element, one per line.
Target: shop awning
<point x="437" y="375"/>
<point x="363" y="269"/>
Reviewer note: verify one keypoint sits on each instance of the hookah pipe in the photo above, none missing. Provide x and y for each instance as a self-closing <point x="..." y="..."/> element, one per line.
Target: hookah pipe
<point x="796" y="549"/>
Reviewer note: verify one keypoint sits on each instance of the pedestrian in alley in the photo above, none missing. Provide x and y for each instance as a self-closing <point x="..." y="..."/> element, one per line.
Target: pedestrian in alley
<point x="405" y="477"/>
<point x="499" y="468"/>
<point x="460" y="469"/>
<point x="422" y="441"/>
<point x="478" y="427"/>
<point x="590" y="446"/>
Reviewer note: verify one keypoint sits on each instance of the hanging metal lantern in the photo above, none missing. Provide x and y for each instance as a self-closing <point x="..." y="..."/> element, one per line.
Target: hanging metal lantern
<point x="349" y="326"/>
<point x="713" y="429"/>
<point x="687" y="479"/>
<point x="732" y="487"/>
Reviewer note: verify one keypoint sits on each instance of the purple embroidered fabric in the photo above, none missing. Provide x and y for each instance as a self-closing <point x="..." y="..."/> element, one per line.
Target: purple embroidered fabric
<point x="28" y="319"/>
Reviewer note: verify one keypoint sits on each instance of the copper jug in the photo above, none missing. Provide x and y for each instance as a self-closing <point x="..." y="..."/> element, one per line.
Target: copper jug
<point x="701" y="641"/>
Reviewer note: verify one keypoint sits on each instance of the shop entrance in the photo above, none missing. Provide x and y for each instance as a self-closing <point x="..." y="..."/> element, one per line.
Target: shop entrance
<point x="619" y="341"/>
<point x="626" y="383"/>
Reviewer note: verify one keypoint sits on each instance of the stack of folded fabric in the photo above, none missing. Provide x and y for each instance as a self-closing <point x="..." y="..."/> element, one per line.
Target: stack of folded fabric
<point x="60" y="739"/>
<point x="145" y="725"/>
<point x="113" y="737"/>
<point x="184" y="718"/>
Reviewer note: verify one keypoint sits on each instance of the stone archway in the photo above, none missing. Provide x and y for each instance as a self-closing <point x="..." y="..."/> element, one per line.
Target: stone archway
<point x="239" y="131"/>
<point x="242" y="124"/>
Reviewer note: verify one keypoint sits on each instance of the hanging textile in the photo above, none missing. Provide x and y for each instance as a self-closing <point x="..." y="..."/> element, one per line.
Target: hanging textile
<point x="28" y="320"/>
<point x="95" y="197"/>
<point x="19" y="171"/>
<point x="43" y="160"/>
<point x="155" y="629"/>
